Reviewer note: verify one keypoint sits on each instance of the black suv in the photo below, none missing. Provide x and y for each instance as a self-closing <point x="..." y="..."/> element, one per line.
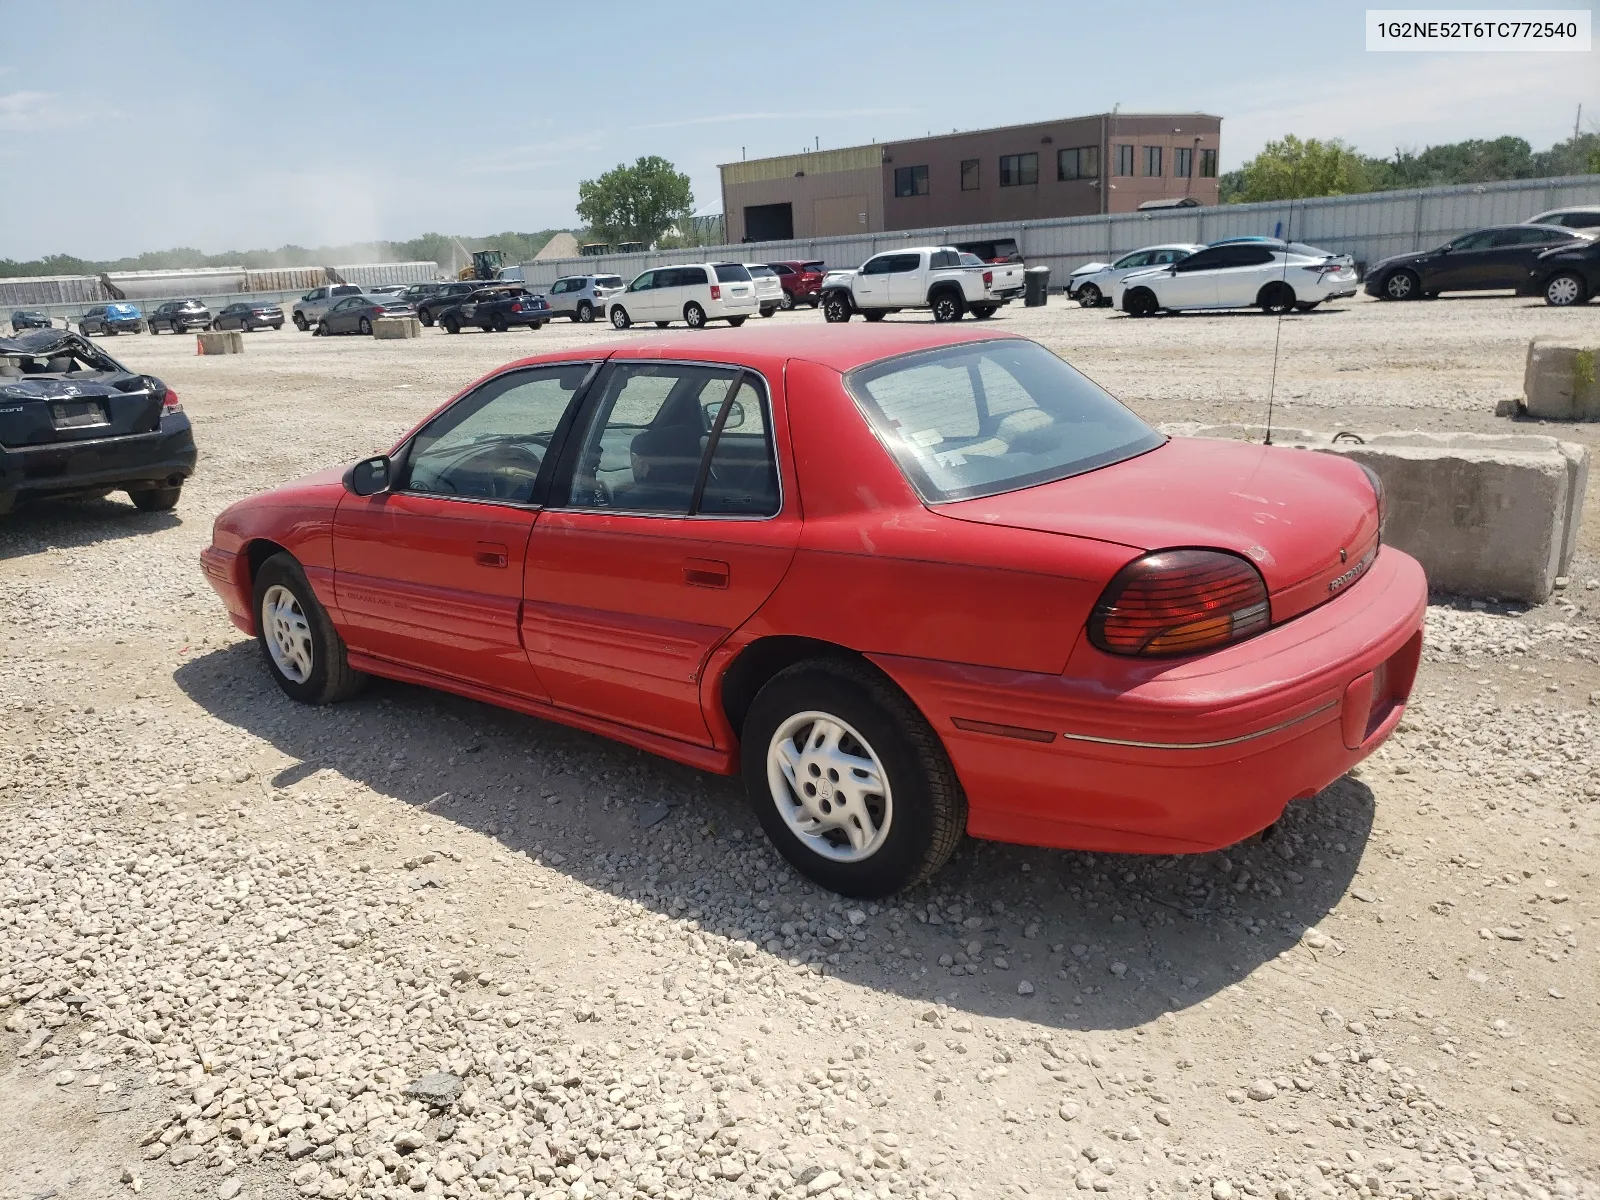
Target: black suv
<point x="449" y="295"/>
<point x="495" y="310"/>
<point x="26" y="318"/>
<point x="180" y="316"/>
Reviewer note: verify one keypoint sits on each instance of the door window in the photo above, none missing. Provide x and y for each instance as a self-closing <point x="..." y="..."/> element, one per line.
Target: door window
<point x="491" y="444"/>
<point x="899" y="264"/>
<point x="648" y="436"/>
<point x="689" y="276"/>
<point x="1162" y="257"/>
<point x="645" y="282"/>
<point x="881" y="265"/>
<point x="1530" y="235"/>
<point x="1140" y="258"/>
<point x="1205" y="260"/>
<point x="1481" y="240"/>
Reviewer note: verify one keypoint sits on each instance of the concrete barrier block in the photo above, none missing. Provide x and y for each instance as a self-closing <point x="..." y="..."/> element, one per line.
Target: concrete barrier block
<point x="223" y="341"/>
<point x="1485" y="514"/>
<point x="397" y="327"/>
<point x="1558" y="382"/>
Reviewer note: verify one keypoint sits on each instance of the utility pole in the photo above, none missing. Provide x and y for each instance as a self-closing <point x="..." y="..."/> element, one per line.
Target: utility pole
<point x="1576" y="121"/>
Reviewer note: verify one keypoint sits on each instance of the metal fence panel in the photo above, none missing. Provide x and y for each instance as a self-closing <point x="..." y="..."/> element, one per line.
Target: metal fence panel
<point x="377" y="274"/>
<point x="50" y="289"/>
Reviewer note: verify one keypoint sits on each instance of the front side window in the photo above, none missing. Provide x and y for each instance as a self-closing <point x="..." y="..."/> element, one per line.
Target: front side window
<point x="977" y="420"/>
<point x="491" y="444"/>
<point x="1080" y="163"/>
<point x="1481" y="240"/>
<point x="1182" y="162"/>
<point x="644" y="282"/>
<point x="1208" y="164"/>
<point x="911" y="181"/>
<point x="1124" y="159"/>
<point x="899" y="264"/>
<point x="878" y="266"/>
<point x="1139" y="258"/>
<point x="1152" y="162"/>
<point x="1018" y="170"/>
<point x="647" y="445"/>
<point x="969" y="174"/>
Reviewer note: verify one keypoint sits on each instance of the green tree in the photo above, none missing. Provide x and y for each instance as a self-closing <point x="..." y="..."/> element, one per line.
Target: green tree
<point x="637" y="203"/>
<point x="1292" y="169"/>
<point x="1594" y="161"/>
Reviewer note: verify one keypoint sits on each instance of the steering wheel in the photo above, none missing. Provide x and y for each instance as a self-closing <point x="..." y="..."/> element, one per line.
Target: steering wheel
<point x="508" y="470"/>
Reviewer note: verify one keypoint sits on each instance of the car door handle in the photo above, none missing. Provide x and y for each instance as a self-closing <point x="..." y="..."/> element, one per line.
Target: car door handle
<point x="491" y="554"/>
<point x="705" y="572"/>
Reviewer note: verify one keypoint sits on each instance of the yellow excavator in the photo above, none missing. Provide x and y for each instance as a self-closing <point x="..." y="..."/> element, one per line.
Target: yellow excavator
<point x="486" y="265"/>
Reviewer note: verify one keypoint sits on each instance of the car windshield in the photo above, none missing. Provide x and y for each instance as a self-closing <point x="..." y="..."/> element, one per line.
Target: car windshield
<point x="977" y="420"/>
<point x="732" y="273"/>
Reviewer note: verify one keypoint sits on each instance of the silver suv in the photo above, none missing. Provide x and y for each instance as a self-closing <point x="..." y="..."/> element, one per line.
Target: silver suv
<point x="311" y="307"/>
<point x="580" y="297"/>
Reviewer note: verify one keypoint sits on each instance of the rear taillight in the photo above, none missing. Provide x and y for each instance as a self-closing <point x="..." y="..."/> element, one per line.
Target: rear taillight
<point x="516" y="306"/>
<point x="170" y="403"/>
<point x="1180" y="602"/>
<point x="716" y="292"/>
<point x="988" y="279"/>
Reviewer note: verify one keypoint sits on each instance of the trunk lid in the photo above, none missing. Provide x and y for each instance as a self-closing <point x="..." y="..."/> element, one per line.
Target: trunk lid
<point x="1308" y="521"/>
<point x="57" y="386"/>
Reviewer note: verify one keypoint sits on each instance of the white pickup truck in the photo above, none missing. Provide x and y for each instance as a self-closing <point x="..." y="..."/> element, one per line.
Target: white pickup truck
<point x="921" y="277"/>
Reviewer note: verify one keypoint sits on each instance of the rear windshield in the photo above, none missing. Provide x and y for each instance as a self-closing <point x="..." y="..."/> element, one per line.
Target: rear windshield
<point x="1308" y="251"/>
<point x="732" y="273"/>
<point x="608" y="281"/>
<point x="813" y="266"/>
<point x="346" y="289"/>
<point x="760" y="272"/>
<point x="977" y="420"/>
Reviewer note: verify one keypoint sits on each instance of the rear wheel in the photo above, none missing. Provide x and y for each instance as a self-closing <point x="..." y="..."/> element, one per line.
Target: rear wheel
<point x="1565" y="289"/>
<point x="322" y="329"/>
<point x="768" y="309"/>
<point x="948" y="306"/>
<point x="1089" y="296"/>
<point x="501" y="325"/>
<point x="1402" y="285"/>
<point x="693" y="316"/>
<point x="619" y="317"/>
<point x="983" y="312"/>
<point x="849" y="781"/>
<point x="585" y="312"/>
<point x="873" y="314"/>
<point x="304" y="652"/>
<point x="365" y="326"/>
<point x="1276" y="298"/>
<point x="736" y="321"/>
<point x="835" y="308"/>
<point x="161" y="499"/>
<point x="302" y="324"/>
<point x="787" y="303"/>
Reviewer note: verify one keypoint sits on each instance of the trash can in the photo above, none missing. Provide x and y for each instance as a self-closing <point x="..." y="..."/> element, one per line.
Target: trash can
<point x="1035" y="287"/>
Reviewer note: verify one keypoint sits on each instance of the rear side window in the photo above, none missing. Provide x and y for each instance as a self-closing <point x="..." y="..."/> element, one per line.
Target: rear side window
<point x="941" y="258"/>
<point x="780" y="269"/>
<point x="978" y="420"/>
<point x="1581" y="220"/>
<point x="732" y="273"/>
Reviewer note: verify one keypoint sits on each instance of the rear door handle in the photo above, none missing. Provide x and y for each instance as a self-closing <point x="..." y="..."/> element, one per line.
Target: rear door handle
<point x="491" y="554"/>
<point x="705" y="572"/>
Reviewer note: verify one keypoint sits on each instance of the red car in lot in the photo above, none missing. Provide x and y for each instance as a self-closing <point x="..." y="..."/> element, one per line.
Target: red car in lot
<point x="802" y="282"/>
<point x="909" y="581"/>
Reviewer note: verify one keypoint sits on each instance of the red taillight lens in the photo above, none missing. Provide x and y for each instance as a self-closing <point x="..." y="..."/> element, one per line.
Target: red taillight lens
<point x="170" y="403"/>
<point x="517" y="306"/>
<point x="716" y="292"/>
<point x="988" y="279"/>
<point x="1180" y="602"/>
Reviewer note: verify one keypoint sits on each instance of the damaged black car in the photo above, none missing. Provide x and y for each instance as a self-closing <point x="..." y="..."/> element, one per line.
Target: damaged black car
<point x="75" y="422"/>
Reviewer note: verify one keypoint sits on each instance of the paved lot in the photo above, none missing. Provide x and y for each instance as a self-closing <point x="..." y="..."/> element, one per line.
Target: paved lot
<point x="239" y="929"/>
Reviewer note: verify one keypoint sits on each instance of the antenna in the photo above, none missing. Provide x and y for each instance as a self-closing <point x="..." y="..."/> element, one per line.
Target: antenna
<point x="1277" y="333"/>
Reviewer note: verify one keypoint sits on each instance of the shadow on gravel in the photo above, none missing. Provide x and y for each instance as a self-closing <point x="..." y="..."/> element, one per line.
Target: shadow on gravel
<point x="1135" y="936"/>
<point x="40" y="525"/>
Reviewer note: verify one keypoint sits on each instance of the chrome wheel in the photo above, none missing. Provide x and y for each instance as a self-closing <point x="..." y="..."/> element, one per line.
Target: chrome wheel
<point x="829" y="787"/>
<point x="1563" y="290"/>
<point x="288" y="633"/>
<point x="1400" y="285"/>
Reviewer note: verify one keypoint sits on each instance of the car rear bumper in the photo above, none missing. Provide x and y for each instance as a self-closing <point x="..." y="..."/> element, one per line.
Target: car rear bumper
<point x="1187" y="758"/>
<point x="152" y="459"/>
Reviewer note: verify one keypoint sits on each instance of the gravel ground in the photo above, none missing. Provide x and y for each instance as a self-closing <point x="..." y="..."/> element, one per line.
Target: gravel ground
<point x="412" y="945"/>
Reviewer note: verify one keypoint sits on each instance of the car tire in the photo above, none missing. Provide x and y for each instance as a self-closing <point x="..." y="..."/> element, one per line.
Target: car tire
<point x="301" y="323"/>
<point x="365" y="326"/>
<point x="1566" y="289"/>
<point x="450" y="325"/>
<point x="814" y="302"/>
<point x="1276" y="299"/>
<point x="303" y="651"/>
<point x="1401" y="285"/>
<point x="1139" y="302"/>
<point x="982" y="312"/>
<point x="160" y="499"/>
<point x="585" y="313"/>
<point x="787" y="303"/>
<point x="1089" y="296"/>
<point x="619" y="317"/>
<point x="873" y="314"/>
<point x="426" y="318"/>
<point x="947" y="307"/>
<point x="501" y="325"/>
<point x="694" y="316"/>
<point x="768" y="309"/>
<point x="322" y="329"/>
<point x="735" y="322"/>
<point x="835" y="309"/>
<point x="846" y="713"/>
<point x="662" y="324"/>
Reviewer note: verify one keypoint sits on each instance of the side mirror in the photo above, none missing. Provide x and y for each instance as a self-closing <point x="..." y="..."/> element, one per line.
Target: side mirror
<point x="368" y="477"/>
<point x="735" y="414"/>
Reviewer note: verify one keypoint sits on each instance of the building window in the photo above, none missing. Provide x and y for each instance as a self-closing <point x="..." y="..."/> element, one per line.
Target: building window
<point x="1124" y="160"/>
<point x="1017" y="170"/>
<point x="969" y="174"/>
<point x="1182" y="162"/>
<point x="1152" y="162"/>
<point x="911" y="181"/>
<point x="1208" y="164"/>
<point x="1082" y="163"/>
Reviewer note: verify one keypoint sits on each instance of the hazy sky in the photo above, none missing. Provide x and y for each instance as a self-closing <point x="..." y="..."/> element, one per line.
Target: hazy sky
<point x="130" y="127"/>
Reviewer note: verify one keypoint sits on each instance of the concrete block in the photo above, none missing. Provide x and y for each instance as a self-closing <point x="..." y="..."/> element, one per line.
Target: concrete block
<point x="397" y="327"/>
<point x="1558" y="382"/>
<point x="1485" y="514"/>
<point x="224" y="341"/>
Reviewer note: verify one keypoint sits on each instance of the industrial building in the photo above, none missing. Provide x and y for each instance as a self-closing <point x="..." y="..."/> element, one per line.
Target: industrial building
<point x="1078" y="166"/>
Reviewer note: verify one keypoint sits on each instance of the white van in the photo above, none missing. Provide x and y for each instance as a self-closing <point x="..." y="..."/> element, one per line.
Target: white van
<point x="694" y="294"/>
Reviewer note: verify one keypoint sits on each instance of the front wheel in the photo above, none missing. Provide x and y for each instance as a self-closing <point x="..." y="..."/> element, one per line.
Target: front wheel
<point x="426" y="317"/>
<point x="619" y="317"/>
<point x="1276" y="299"/>
<point x="160" y="499"/>
<point x="365" y="327"/>
<point x="1565" y="290"/>
<point x="585" y="313"/>
<point x="322" y="329"/>
<point x="1089" y="296"/>
<point x="768" y="309"/>
<point x="1402" y="285"/>
<point x="501" y="325"/>
<point x="835" y="309"/>
<point x="947" y="306"/>
<point x="849" y="781"/>
<point x="304" y="652"/>
<point x="693" y="316"/>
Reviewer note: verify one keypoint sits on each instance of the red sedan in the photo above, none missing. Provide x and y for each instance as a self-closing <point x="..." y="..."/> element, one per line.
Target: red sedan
<point x="910" y="582"/>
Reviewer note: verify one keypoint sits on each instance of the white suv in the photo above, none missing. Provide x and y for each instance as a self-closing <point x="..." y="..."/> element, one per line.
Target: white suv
<point x="1249" y="273"/>
<point x="580" y="297"/>
<point x="769" y="288"/>
<point x="694" y="294"/>
<point x="311" y="307"/>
